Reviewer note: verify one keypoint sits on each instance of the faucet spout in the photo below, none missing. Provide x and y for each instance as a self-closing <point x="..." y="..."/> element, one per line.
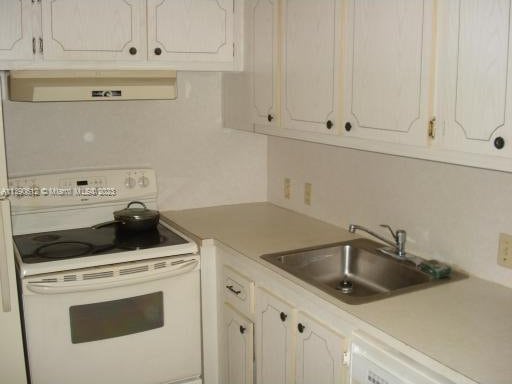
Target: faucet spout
<point x="399" y="238"/>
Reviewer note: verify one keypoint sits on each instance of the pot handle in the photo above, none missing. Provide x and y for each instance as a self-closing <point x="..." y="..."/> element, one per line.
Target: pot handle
<point x="101" y="225"/>
<point x="136" y="202"/>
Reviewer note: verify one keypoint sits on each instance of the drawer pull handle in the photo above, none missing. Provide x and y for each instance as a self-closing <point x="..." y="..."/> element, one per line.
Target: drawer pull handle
<point x="283" y="316"/>
<point x="230" y="287"/>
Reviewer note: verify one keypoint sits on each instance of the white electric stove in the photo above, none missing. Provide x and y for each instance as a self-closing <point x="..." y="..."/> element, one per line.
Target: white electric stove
<point x="103" y="305"/>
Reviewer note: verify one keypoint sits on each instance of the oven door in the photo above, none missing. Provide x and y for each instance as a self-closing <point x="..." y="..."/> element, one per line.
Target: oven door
<point x="134" y="323"/>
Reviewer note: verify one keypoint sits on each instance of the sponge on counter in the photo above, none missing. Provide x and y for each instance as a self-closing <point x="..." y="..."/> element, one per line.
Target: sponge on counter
<point x="435" y="269"/>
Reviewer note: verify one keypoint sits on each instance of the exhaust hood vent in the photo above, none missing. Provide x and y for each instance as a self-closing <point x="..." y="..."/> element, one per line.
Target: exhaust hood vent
<point x="91" y="85"/>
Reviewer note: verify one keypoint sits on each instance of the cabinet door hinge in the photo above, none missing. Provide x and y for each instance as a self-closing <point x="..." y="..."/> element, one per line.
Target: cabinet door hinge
<point x="346" y="358"/>
<point x="432" y="128"/>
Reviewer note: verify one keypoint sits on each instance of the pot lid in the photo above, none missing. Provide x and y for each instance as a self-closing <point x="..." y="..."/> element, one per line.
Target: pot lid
<point x="136" y="213"/>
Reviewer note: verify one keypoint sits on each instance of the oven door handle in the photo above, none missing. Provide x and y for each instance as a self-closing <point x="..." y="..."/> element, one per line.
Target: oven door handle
<point x="61" y="287"/>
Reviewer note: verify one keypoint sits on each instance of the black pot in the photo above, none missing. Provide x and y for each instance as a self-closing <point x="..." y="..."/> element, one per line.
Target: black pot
<point x="134" y="219"/>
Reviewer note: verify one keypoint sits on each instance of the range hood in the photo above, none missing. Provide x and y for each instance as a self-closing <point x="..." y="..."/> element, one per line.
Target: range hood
<point x="91" y="85"/>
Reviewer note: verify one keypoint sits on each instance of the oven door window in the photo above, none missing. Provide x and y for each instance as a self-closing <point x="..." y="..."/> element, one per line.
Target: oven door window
<point x="105" y="320"/>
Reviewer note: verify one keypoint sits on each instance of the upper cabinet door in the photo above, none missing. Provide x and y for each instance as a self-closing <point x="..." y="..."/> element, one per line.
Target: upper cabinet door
<point x="264" y="21"/>
<point x="389" y="72"/>
<point x="190" y="30"/>
<point x="311" y="64"/>
<point x="93" y="29"/>
<point x="474" y="87"/>
<point x="16" y="30"/>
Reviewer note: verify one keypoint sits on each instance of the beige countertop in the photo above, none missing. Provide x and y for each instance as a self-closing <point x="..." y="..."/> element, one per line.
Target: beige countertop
<point x="465" y="325"/>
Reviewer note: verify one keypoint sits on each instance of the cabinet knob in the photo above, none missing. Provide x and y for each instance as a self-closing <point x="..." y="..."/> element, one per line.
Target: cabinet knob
<point x="499" y="142"/>
<point x="348" y="126"/>
<point x="242" y="329"/>
<point x="133" y="51"/>
<point x="283" y="316"/>
<point x="270" y="117"/>
<point x="158" y="51"/>
<point x="329" y="124"/>
<point x="301" y="327"/>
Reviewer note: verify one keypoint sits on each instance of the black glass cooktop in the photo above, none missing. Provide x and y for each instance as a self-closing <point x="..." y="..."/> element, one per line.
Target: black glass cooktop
<point x="83" y="242"/>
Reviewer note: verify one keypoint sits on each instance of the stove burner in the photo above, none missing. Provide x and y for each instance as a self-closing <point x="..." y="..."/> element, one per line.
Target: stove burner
<point x="77" y="243"/>
<point x="63" y="250"/>
<point x="46" y="238"/>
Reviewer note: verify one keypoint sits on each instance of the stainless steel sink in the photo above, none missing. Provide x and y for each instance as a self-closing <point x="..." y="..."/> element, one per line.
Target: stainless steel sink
<point x="355" y="271"/>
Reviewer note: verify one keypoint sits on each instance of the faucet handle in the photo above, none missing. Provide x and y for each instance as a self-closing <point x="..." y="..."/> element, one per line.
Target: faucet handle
<point x="393" y="233"/>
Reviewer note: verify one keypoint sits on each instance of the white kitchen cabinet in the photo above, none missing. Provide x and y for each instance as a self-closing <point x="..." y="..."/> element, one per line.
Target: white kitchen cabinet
<point x="93" y="30"/>
<point x="97" y="34"/>
<point x="238" y="347"/>
<point x="265" y="24"/>
<point x="311" y="65"/>
<point x="275" y="339"/>
<point x="474" y="88"/>
<point x="16" y="30"/>
<point x="319" y="353"/>
<point x="295" y="348"/>
<point x="389" y="70"/>
<point x="191" y="30"/>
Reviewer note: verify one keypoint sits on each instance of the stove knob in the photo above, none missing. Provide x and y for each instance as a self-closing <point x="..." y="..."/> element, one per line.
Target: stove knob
<point x="143" y="181"/>
<point x="129" y="182"/>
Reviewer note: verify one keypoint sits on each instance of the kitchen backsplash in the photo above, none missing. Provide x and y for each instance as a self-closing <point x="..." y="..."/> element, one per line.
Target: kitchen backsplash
<point x="198" y="163"/>
<point x="450" y="212"/>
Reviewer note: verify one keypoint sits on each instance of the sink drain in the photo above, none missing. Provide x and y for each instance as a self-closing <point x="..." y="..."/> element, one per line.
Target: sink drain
<point x="345" y="286"/>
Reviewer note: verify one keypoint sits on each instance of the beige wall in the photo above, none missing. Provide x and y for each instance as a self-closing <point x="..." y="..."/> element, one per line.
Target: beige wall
<point x="450" y="212"/>
<point x="197" y="161"/>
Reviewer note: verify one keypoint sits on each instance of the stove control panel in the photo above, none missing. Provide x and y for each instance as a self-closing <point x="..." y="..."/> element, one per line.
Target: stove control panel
<point x="99" y="186"/>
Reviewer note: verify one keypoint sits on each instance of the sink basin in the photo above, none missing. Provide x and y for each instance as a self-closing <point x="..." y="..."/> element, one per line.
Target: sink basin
<point x="356" y="271"/>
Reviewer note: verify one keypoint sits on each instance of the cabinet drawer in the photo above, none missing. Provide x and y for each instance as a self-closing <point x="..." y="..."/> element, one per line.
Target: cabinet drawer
<point x="238" y="290"/>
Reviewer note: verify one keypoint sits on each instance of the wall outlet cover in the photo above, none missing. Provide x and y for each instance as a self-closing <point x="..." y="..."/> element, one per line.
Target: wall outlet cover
<point x="287" y="188"/>
<point x="505" y="250"/>
<point x="307" y="193"/>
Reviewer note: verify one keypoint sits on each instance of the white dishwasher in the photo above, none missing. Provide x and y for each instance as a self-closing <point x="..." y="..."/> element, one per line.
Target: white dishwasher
<point x="373" y="362"/>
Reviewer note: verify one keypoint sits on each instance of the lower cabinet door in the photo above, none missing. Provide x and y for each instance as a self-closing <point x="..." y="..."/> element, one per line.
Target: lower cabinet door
<point x="238" y="347"/>
<point x="319" y="353"/>
<point x="275" y="339"/>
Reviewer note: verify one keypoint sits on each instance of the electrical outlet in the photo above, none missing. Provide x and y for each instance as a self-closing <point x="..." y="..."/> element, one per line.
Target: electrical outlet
<point x="505" y="250"/>
<point x="307" y="193"/>
<point x="287" y="188"/>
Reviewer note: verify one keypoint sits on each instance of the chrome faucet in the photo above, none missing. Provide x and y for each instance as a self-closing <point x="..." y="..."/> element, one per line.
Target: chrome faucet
<point x="398" y="244"/>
